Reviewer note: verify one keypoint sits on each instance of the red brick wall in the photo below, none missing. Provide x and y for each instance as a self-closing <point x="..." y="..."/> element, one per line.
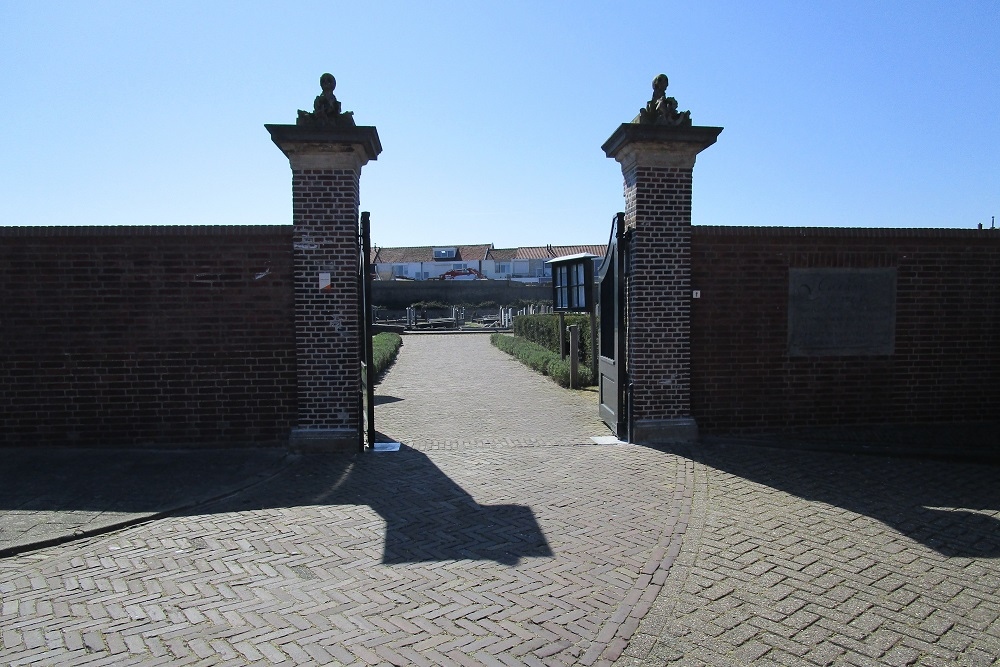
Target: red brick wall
<point x="946" y="362"/>
<point x="146" y="336"/>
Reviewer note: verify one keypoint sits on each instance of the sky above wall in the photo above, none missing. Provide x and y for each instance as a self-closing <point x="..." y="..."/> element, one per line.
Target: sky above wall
<point x="492" y="114"/>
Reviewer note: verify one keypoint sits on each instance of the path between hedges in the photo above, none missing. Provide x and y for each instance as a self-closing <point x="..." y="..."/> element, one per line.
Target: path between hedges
<point x="447" y="391"/>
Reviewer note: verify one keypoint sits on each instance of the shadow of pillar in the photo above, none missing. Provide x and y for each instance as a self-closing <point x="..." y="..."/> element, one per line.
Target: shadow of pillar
<point x="428" y="516"/>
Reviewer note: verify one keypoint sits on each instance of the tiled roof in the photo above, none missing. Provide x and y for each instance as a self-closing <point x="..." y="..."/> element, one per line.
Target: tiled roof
<point x="464" y="253"/>
<point x="550" y="251"/>
<point x="502" y="254"/>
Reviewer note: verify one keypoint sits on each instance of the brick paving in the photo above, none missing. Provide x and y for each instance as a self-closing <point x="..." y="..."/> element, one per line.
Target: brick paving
<point x="831" y="559"/>
<point x="459" y="391"/>
<point x="51" y="495"/>
<point x="501" y="535"/>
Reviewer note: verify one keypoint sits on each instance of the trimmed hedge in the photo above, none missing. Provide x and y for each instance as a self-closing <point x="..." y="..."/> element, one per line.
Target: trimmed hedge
<point x="385" y="348"/>
<point x="544" y="330"/>
<point x="542" y="360"/>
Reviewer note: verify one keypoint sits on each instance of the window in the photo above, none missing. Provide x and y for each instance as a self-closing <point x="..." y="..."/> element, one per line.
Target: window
<point x="402" y="270"/>
<point x="578" y="286"/>
<point x="571" y="289"/>
<point x="445" y="253"/>
<point x="458" y="267"/>
<point x="609" y="315"/>
<point x="562" y="288"/>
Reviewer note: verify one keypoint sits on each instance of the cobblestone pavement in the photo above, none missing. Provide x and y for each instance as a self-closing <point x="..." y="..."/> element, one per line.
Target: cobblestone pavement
<point x="50" y="495"/>
<point x="830" y="559"/>
<point x="514" y="540"/>
<point x="501" y="535"/>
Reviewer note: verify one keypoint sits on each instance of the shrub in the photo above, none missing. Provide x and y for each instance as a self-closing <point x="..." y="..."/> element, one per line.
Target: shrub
<point x="541" y="360"/>
<point x="385" y="348"/>
<point x="544" y="330"/>
<point x="431" y="305"/>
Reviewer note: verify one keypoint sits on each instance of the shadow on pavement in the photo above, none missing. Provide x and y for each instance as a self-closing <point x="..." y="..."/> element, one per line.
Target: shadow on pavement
<point x="429" y="517"/>
<point x="949" y="507"/>
<point x="381" y="399"/>
<point x="132" y="480"/>
<point x="49" y="495"/>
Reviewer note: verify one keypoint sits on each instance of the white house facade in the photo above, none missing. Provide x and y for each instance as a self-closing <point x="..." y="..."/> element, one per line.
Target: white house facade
<point x="522" y="264"/>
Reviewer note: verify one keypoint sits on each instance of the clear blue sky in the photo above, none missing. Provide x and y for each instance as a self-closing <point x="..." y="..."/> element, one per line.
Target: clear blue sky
<point x="492" y="115"/>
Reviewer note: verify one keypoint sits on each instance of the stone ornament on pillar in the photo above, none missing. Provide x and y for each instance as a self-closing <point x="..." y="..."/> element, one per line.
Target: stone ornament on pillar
<point x="326" y="138"/>
<point x="326" y="109"/>
<point x="662" y="110"/>
<point x="326" y="152"/>
<point x="659" y="136"/>
<point x="657" y="153"/>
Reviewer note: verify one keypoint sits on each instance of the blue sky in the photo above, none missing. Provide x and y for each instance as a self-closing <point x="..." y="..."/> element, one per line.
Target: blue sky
<point x="492" y="114"/>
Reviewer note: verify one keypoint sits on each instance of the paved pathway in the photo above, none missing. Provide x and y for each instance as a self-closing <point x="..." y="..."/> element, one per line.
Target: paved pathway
<point x="501" y="535"/>
<point x="457" y="390"/>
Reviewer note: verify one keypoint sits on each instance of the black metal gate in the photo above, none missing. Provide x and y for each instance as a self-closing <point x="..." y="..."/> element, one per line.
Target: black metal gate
<point x="366" y="430"/>
<point x="613" y="378"/>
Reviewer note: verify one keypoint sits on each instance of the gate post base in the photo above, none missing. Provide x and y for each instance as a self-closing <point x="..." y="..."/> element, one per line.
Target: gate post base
<point x="323" y="439"/>
<point x="663" y="431"/>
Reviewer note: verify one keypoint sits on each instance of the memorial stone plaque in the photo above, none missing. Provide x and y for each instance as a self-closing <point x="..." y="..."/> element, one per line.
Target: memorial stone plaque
<point x="841" y="312"/>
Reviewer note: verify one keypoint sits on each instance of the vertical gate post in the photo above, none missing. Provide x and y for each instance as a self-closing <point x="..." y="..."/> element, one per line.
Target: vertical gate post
<point x="657" y="162"/>
<point x="574" y="355"/>
<point x="562" y="335"/>
<point x="326" y="152"/>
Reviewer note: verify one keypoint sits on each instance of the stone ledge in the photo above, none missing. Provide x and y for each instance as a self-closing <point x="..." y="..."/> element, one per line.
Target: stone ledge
<point x="697" y="137"/>
<point x="319" y="148"/>
<point x="324" y="439"/>
<point x="663" y="431"/>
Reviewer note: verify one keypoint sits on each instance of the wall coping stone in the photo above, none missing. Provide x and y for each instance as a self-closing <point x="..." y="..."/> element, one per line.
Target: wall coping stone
<point x="847" y="232"/>
<point x="147" y="230"/>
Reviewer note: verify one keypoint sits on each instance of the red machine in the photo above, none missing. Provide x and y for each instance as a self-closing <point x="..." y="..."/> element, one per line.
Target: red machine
<point x="462" y="274"/>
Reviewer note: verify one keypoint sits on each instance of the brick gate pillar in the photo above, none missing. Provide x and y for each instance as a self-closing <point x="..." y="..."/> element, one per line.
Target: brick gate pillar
<point x="326" y="169"/>
<point x="657" y="163"/>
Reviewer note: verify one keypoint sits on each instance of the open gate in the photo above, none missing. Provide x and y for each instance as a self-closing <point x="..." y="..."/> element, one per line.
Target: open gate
<point x="366" y="430"/>
<point x="613" y="378"/>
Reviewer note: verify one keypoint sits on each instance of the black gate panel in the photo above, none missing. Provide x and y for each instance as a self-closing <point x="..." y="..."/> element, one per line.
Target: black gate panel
<point x="366" y="430"/>
<point x="612" y="377"/>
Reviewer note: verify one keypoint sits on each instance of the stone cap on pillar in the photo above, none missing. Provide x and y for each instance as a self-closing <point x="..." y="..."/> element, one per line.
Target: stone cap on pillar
<point x="349" y="147"/>
<point x="659" y="145"/>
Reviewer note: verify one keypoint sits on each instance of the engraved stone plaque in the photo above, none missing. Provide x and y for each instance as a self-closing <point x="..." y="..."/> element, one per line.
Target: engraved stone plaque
<point x="841" y="312"/>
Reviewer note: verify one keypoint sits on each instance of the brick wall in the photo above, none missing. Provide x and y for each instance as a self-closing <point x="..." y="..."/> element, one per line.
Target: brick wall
<point x="945" y="365"/>
<point x="146" y="336"/>
<point x="658" y="210"/>
<point x="325" y="213"/>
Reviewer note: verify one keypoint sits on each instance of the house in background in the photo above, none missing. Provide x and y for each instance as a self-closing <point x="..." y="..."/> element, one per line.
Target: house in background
<point x="428" y="262"/>
<point x="524" y="264"/>
<point x="529" y="262"/>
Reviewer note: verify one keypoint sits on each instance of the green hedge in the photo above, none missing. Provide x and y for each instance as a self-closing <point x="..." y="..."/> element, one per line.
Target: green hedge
<point x="544" y="330"/>
<point x="542" y="360"/>
<point x="385" y="347"/>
